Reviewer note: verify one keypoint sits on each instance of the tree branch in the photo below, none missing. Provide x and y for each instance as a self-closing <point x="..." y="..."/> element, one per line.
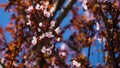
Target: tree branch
<point x="111" y="50"/>
<point x="38" y="17"/>
<point x="57" y="6"/>
<point x="64" y="13"/>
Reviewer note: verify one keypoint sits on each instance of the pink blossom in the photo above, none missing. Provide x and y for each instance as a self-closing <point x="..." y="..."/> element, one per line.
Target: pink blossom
<point x="48" y="51"/>
<point x="43" y="50"/>
<point x="46" y="3"/>
<point x="28" y="23"/>
<point x="52" y="24"/>
<point x="39" y="29"/>
<point x="62" y="54"/>
<point x="63" y="46"/>
<point x="34" y="40"/>
<point x="57" y="30"/>
<point x="42" y="36"/>
<point x="84" y="4"/>
<point x="98" y="26"/>
<point x="49" y="34"/>
<point x="30" y="8"/>
<point x="1" y="66"/>
<point x="58" y="39"/>
<point x="28" y="16"/>
<point x="2" y="60"/>
<point x="40" y="24"/>
<point x="99" y="40"/>
<point x="39" y="7"/>
<point x="75" y="63"/>
<point x="46" y="13"/>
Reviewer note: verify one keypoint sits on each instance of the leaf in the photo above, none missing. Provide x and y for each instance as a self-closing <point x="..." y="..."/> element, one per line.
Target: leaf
<point x="10" y="46"/>
<point x="21" y="65"/>
<point x="109" y="21"/>
<point x="27" y="3"/>
<point x="1" y="30"/>
<point x="2" y="5"/>
<point x="80" y="36"/>
<point x="94" y="8"/>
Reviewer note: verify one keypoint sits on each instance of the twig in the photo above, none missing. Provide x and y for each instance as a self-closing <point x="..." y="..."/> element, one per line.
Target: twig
<point x="64" y="13"/>
<point x="108" y="39"/>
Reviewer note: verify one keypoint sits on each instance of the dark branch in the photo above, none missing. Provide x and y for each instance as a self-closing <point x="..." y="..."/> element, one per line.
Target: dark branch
<point x="64" y="13"/>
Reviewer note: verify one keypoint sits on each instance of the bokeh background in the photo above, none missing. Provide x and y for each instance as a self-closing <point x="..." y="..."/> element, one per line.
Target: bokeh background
<point x="96" y="56"/>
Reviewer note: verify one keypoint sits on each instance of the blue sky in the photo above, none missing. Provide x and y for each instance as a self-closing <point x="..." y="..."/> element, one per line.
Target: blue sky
<point x="4" y="16"/>
<point x="4" y="19"/>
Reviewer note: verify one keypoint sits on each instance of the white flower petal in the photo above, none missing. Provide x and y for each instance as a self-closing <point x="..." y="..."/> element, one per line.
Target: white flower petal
<point x="63" y="46"/>
<point x="52" y="24"/>
<point x="30" y="8"/>
<point x="85" y="7"/>
<point x="34" y="40"/>
<point x="37" y="6"/>
<point x="58" y="39"/>
<point x="40" y="24"/>
<point x="49" y="51"/>
<point x="28" y="23"/>
<point x="46" y="13"/>
<point x="97" y="26"/>
<point x="75" y="63"/>
<point x="99" y="40"/>
<point x="49" y="34"/>
<point x="42" y="36"/>
<point x="43" y="50"/>
<point x="41" y="7"/>
<point x="46" y="3"/>
<point x="39" y="29"/>
<point x="62" y="53"/>
<point x="57" y="30"/>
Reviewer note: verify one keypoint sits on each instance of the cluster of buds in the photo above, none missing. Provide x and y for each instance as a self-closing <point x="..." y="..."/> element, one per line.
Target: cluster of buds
<point x="48" y="50"/>
<point x="47" y="34"/>
<point x="76" y="64"/>
<point x="84" y="2"/>
<point x="34" y="40"/>
<point x="44" y="6"/>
